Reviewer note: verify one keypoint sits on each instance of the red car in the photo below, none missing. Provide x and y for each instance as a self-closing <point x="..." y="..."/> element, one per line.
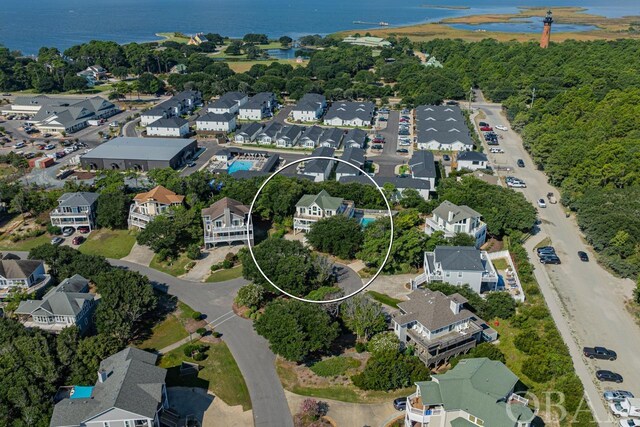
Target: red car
<point x="77" y="240"/>
<point x="486" y="128"/>
<point x="379" y="141"/>
<point x="84" y="229"/>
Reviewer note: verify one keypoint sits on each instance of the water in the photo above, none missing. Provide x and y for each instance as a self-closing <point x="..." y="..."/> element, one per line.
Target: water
<point x="365" y="221"/>
<point x="82" y="392"/>
<point x="29" y="24"/>
<point x="240" y="165"/>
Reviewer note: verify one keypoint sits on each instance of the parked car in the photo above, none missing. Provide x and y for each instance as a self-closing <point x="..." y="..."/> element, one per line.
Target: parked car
<point x="84" y="229"/>
<point x="502" y="128"/>
<point x="483" y="124"/>
<point x="547" y="251"/>
<point x="400" y="403"/>
<point x="630" y="422"/>
<point x="496" y="150"/>
<point x="377" y="147"/>
<point x="384" y="110"/>
<point x="517" y="184"/>
<point x="617" y="395"/>
<point x="403" y="120"/>
<point x="57" y="241"/>
<point x="114" y="124"/>
<point x="446" y="158"/>
<point x="628" y="407"/>
<point x="583" y="256"/>
<point x="486" y="128"/>
<point x="19" y="145"/>
<point x="382" y="119"/>
<point x="68" y="231"/>
<point x="77" y="240"/>
<point x="49" y="146"/>
<point x="29" y="155"/>
<point x="541" y="203"/>
<point x="551" y="198"/>
<point x="492" y="142"/>
<point x="550" y="259"/>
<point x="604" y="375"/>
<point x="599" y="353"/>
<point x="520" y="163"/>
<point x="402" y="151"/>
<point x="191" y="164"/>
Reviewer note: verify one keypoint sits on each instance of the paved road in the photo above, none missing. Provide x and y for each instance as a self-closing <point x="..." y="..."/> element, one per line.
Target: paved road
<point x="587" y="302"/>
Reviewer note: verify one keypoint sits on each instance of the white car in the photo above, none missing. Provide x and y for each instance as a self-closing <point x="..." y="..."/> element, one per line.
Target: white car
<point x="502" y="128"/>
<point x="630" y="422"/>
<point x="517" y="184"/>
<point x="541" y="203"/>
<point x="496" y="150"/>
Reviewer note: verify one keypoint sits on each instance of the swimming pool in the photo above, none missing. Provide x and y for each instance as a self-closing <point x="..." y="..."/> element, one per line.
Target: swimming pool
<point x="240" y="165"/>
<point x="365" y="221"/>
<point x="81" y="392"/>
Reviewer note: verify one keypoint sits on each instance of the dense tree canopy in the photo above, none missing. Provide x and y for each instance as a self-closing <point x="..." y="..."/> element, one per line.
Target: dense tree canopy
<point x="337" y="235"/>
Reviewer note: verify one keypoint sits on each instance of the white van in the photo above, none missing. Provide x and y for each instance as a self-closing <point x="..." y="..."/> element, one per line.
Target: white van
<point x="630" y="407"/>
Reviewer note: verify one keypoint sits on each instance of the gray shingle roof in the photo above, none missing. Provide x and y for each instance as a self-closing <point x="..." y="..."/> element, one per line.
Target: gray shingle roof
<point x="472" y="156"/>
<point x="319" y="165"/>
<point x="290" y="132"/>
<point x="272" y="130"/>
<point x="345" y="110"/>
<point x="310" y="102"/>
<point x="355" y="136"/>
<point x="423" y="164"/>
<point x="431" y="309"/>
<point x="227" y="100"/>
<point x="458" y="258"/>
<point x="397" y="182"/>
<point x="354" y="156"/>
<point x="250" y="129"/>
<point x="213" y="117"/>
<point x="18" y="269"/>
<point x="331" y="137"/>
<point x="313" y="133"/>
<point x="139" y="148"/>
<point x="133" y="384"/>
<point x="459" y="212"/>
<point x="66" y="299"/>
<point x="169" y="123"/>
<point x="83" y="198"/>
<point x="258" y="101"/>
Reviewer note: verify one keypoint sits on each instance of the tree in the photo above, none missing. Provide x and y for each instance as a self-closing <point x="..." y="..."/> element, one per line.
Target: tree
<point x="462" y="239"/>
<point x="285" y="41"/>
<point x="148" y="83"/>
<point x="384" y="342"/>
<point x="390" y="371"/>
<point x="288" y="264"/>
<point x="126" y="297"/>
<point x="499" y="304"/>
<point x="296" y="329"/>
<point x="73" y="82"/>
<point x="91" y="351"/>
<point x="488" y="350"/>
<point x="167" y="235"/>
<point x="250" y="295"/>
<point x="112" y="210"/>
<point x="337" y="235"/>
<point x="363" y="316"/>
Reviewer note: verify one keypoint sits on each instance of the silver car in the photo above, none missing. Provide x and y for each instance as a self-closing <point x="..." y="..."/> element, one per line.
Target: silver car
<point x="617" y="395"/>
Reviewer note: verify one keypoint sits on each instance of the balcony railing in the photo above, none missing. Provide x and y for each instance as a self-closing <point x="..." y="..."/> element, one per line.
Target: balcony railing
<point x="234" y="228"/>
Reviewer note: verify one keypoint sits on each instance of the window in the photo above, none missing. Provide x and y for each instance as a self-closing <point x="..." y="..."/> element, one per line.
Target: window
<point x="459" y="274"/>
<point x="127" y="423"/>
<point x="476" y="420"/>
<point x="447" y="274"/>
<point x="218" y="223"/>
<point x="105" y="424"/>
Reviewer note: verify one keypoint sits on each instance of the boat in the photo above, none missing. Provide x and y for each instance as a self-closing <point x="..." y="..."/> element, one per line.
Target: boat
<point x="380" y="24"/>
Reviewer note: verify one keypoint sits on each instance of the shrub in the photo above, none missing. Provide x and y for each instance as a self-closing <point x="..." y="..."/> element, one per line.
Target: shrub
<point x="227" y="264"/>
<point x="201" y="331"/>
<point x="360" y="347"/>
<point x="390" y="371"/>
<point x="538" y="368"/>
<point x="250" y="295"/>
<point x="334" y="366"/>
<point x="54" y="230"/>
<point x="527" y="341"/>
<point x="216" y="267"/>
<point x="499" y="304"/>
<point x="216" y="334"/>
<point x="193" y="251"/>
<point x="196" y="315"/>
<point x="384" y="342"/>
<point x="188" y="266"/>
<point x="230" y="256"/>
<point x="199" y="357"/>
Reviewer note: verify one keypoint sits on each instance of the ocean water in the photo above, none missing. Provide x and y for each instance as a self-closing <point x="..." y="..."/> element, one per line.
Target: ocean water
<point x="26" y="25"/>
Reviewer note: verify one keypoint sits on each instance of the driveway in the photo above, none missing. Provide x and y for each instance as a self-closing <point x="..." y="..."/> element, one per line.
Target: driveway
<point x="586" y="301"/>
<point x="209" y="410"/>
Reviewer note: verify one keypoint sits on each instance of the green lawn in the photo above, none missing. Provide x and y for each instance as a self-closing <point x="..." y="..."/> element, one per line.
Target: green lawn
<point x="109" y="243"/>
<point x="500" y="264"/>
<point x="170" y="330"/>
<point x="172" y="37"/>
<point x="174" y="268"/>
<point x="384" y="299"/>
<point x="242" y="66"/>
<point x="219" y="374"/>
<point x="24" y="245"/>
<point x="225" y="274"/>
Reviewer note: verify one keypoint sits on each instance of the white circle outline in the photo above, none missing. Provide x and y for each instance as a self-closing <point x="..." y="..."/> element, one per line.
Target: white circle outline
<point x="386" y="258"/>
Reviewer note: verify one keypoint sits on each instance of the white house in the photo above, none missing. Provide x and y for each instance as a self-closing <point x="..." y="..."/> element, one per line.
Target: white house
<point x="269" y="134"/>
<point x="355" y="157"/>
<point x="288" y="136"/>
<point x="130" y="392"/>
<point x="399" y="184"/>
<point x="225" y="221"/>
<point x="441" y="127"/>
<point x="259" y="106"/>
<point x="472" y="160"/>
<point x="476" y="392"/>
<point x="75" y="210"/>
<point x="311" y="137"/>
<point x="423" y="166"/>
<point x="438" y="326"/>
<point x="355" y="138"/>
<point x="319" y="169"/>
<point x="309" y="108"/>
<point x="175" y="127"/>
<point x="331" y="137"/>
<point x="146" y="206"/>
<point x="212" y="122"/>
<point x="345" y="113"/>
<point x="459" y="265"/>
<point x="179" y="104"/>
<point x="311" y="208"/>
<point x="19" y="274"/>
<point x="230" y="103"/>
<point x="451" y="219"/>
<point x="69" y="303"/>
<point x="248" y="133"/>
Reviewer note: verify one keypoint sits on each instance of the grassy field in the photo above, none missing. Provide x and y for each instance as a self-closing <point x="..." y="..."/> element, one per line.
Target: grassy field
<point x="24" y="245"/>
<point x="219" y="374"/>
<point x="500" y="264"/>
<point x="225" y="274"/>
<point x="170" y="330"/>
<point x="343" y="393"/>
<point x="242" y="66"/>
<point x="384" y="299"/>
<point x="109" y="243"/>
<point x="174" y="268"/>
<point x="608" y="28"/>
<point x="171" y="37"/>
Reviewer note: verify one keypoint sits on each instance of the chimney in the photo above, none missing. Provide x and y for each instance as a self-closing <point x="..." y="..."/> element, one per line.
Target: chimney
<point x="450" y="216"/>
<point x="454" y="306"/>
<point x="102" y="376"/>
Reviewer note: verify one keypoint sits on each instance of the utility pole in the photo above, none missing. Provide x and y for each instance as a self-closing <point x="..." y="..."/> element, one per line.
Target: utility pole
<point x="533" y="97"/>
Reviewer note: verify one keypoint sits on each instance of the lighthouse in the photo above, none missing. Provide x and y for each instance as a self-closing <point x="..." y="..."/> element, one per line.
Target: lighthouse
<point x="546" y="32"/>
